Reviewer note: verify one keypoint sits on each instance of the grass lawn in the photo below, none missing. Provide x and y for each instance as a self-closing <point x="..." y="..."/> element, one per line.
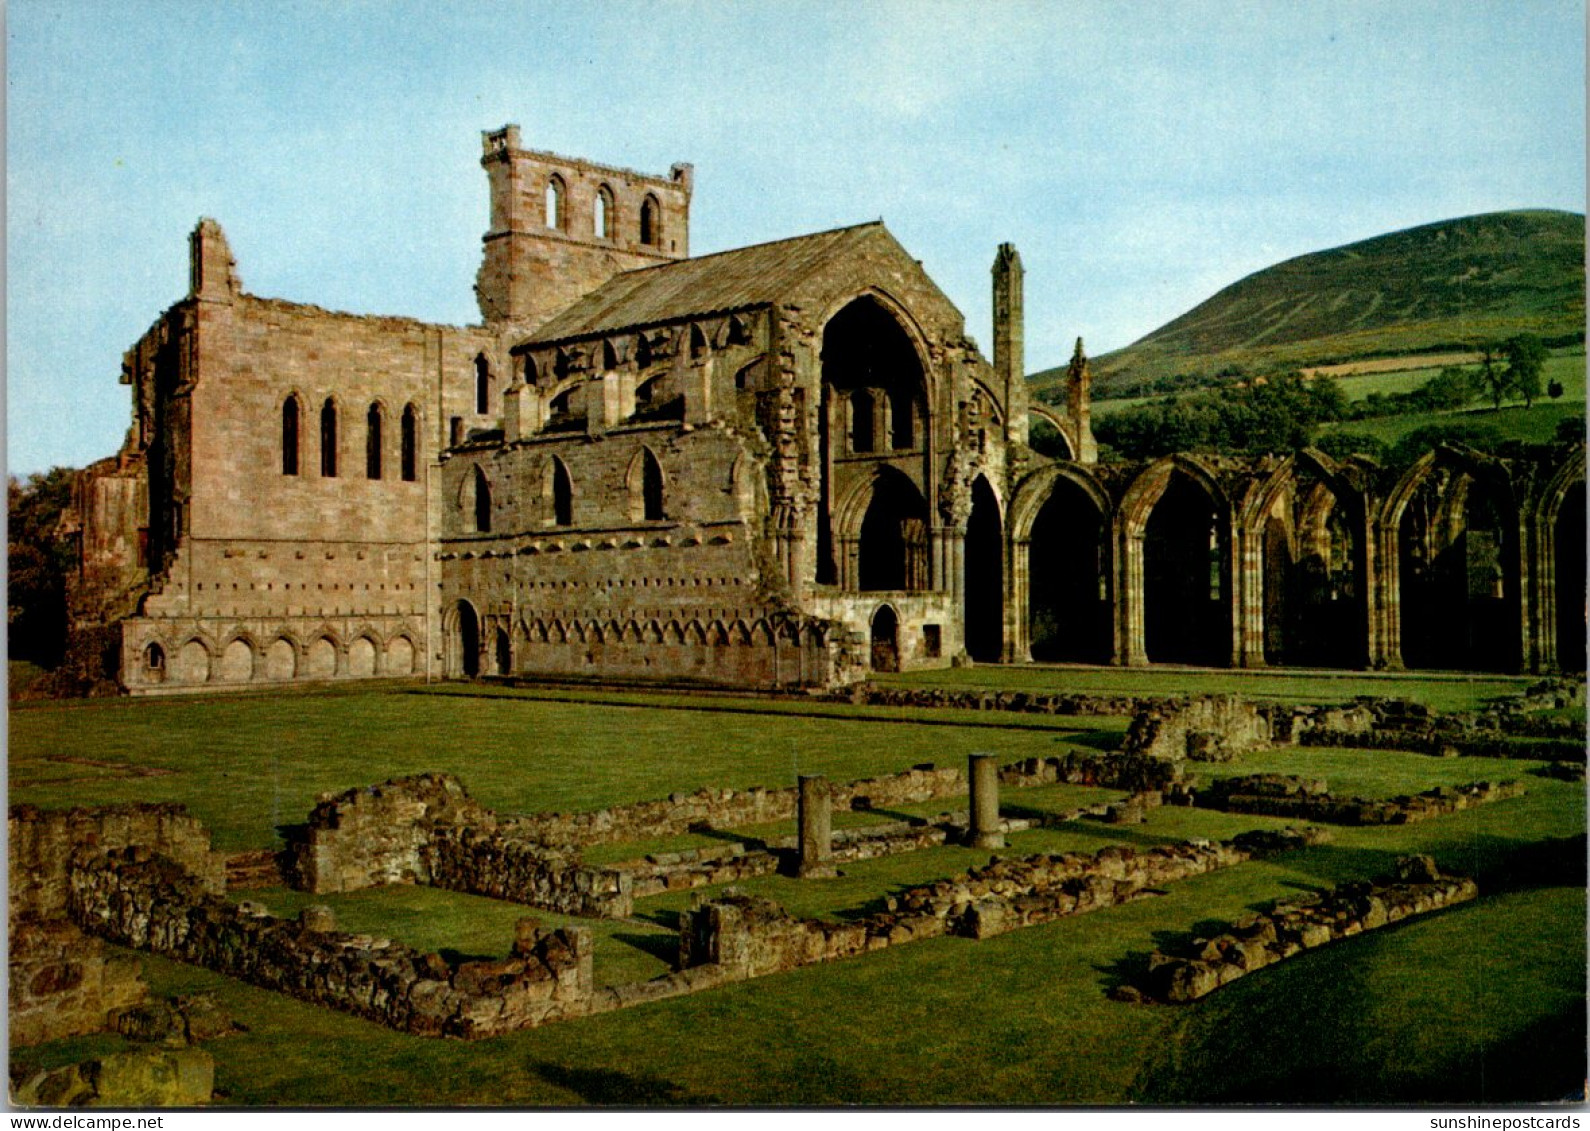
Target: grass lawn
<point x="1443" y="691"/>
<point x="1482" y="1003"/>
<point x="246" y="764"/>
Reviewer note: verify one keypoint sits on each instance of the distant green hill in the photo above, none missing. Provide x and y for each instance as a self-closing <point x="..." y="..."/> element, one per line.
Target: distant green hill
<point x="1431" y="288"/>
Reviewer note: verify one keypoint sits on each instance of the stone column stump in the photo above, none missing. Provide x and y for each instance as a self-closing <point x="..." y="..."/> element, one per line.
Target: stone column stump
<point x="816" y="828"/>
<point x="983" y="773"/>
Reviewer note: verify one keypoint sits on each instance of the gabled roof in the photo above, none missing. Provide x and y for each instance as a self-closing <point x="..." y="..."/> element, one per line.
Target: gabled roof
<point x="727" y="280"/>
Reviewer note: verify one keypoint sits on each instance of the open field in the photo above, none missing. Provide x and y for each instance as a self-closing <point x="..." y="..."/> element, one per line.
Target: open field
<point x="1481" y="1003"/>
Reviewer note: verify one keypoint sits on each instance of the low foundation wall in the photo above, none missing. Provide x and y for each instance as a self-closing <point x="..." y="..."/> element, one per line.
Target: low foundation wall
<point x="41" y="843"/>
<point x="750" y="937"/>
<point x="152" y="904"/>
<point x="1275" y="795"/>
<point x="1292" y="927"/>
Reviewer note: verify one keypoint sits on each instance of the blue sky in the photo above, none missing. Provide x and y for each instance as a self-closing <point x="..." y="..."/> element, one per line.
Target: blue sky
<point x="1140" y="154"/>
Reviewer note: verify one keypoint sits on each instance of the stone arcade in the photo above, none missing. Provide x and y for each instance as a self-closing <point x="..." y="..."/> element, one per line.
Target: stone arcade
<point x="782" y="465"/>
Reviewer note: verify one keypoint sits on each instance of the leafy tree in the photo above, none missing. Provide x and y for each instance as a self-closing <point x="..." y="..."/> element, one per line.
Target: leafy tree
<point x="1526" y="355"/>
<point x="1493" y="377"/>
<point x="1554" y="389"/>
<point x="37" y="565"/>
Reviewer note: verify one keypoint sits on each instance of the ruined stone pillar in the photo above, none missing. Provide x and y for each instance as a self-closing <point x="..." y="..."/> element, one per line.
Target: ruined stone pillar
<point x="1249" y="596"/>
<point x="1018" y="623"/>
<point x="816" y="828"/>
<point x="1131" y="649"/>
<point x="983" y="773"/>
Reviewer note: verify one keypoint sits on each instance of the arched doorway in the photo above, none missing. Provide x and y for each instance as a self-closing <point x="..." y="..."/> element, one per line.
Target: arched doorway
<point x="892" y="550"/>
<point x="1570" y="573"/>
<point x="1186" y="583"/>
<point x="504" y="655"/>
<point x="1458" y="575"/>
<point x="885" y="640"/>
<point x="985" y="576"/>
<point x="467" y="640"/>
<point x="1068" y="603"/>
<point x="871" y="421"/>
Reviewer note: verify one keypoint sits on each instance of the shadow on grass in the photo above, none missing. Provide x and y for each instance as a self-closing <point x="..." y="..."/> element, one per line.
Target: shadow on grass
<point x="664" y="947"/>
<point x="1095" y="739"/>
<point x="608" y="1087"/>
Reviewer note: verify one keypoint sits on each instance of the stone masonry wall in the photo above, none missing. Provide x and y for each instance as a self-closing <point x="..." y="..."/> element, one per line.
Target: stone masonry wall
<point x="152" y="904"/>
<point x="63" y="983"/>
<point x="1298" y="925"/>
<point x="751" y="937"/>
<point x="1277" y="795"/>
<point x="41" y="844"/>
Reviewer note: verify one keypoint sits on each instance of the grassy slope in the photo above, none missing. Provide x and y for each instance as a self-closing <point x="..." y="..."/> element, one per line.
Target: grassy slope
<point x="1441" y="284"/>
<point x="1407" y="1014"/>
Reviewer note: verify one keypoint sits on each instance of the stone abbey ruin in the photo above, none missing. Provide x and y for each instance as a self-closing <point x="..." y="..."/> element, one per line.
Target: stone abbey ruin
<point x="778" y="466"/>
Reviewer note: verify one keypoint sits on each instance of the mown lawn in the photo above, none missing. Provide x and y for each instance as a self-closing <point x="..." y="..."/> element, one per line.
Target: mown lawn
<point x="1442" y="691"/>
<point x="1479" y="1004"/>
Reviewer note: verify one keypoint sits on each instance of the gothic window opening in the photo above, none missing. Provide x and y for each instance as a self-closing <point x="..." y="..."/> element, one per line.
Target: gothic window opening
<point x="602" y="217"/>
<point x="861" y="423"/>
<point x="651" y="222"/>
<point x="698" y="343"/>
<point x="290" y="414"/>
<point x="558" y="488"/>
<point x="609" y="356"/>
<point x="328" y="439"/>
<point x="659" y="399"/>
<point x="410" y="444"/>
<point x="985" y="576"/>
<point x="482" y="502"/>
<point x="642" y="352"/>
<point x="155" y="663"/>
<point x="902" y="425"/>
<point x="554" y="202"/>
<point x="372" y="443"/>
<point x="482" y="386"/>
<point x="646" y="487"/>
<point x="892" y="546"/>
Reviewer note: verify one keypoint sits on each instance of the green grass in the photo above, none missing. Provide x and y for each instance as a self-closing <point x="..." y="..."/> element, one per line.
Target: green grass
<point x="1478" y="1004"/>
<point x="1440" y="691"/>
<point x="247" y="764"/>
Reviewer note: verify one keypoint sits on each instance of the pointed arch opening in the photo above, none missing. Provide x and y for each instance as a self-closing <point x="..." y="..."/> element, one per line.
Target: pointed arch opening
<point x="870" y="364"/>
<point x="884" y="639"/>
<point x="480" y="501"/>
<point x="409" y="456"/>
<point x="1186" y="580"/>
<point x="892" y="543"/>
<point x="1458" y="574"/>
<point x="292" y="413"/>
<point x="1068" y="599"/>
<point x="985" y="576"/>
<point x="651" y="222"/>
<point x="646" y="488"/>
<point x="372" y="442"/>
<point x="557" y="492"/>
<point x="482" y="385"/>
<point x="553" y="202"/>
<point x="502" y="652"/>
<point x="466" y="641"/>
<point x="602" y="214"/>
<point x="328" y="439"/>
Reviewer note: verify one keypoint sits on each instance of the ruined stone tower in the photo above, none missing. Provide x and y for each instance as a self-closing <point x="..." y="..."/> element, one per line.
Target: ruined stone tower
<point x="1079" y="404"/>
<point x="1009" y="351"/>
<point x="561" y="227"/>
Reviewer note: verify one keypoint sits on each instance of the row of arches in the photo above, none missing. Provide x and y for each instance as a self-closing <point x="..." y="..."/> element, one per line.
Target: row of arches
<point x="292" y="447"/>
<point x="242" y="658"/>
<point x="605" y="216"/>
<point x="498" y="645"/>
<point x="1458" y="566"/>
